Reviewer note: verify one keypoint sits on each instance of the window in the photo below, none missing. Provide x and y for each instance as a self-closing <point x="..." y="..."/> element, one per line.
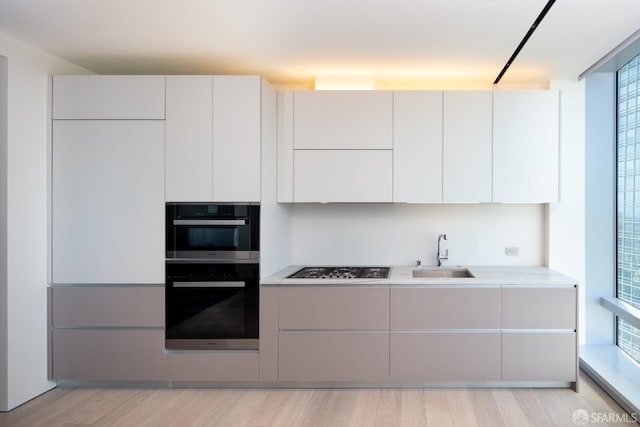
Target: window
<point x="628" y="200"/>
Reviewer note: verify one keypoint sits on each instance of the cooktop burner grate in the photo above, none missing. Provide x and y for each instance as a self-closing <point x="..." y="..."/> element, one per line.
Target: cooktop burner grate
<point x="341" y="273"/>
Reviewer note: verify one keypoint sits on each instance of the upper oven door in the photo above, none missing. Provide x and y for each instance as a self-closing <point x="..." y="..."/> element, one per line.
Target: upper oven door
<point x="213" y="230"/>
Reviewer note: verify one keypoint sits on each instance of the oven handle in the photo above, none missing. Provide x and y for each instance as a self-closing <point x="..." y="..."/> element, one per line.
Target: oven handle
<point x="209" y="222"/>
<point x="208" y="284"/>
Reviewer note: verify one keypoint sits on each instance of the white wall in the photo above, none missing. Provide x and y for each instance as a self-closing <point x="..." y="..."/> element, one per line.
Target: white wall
<point x="4" y="85"/>
<point x="567" y="217"/>
<point x="25" y="204"/>
<point x="401" y="233"/>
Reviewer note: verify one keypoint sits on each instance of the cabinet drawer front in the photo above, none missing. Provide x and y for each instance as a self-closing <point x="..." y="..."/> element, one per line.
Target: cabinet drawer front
<point x="343" y="119"/>
<point x="343" y="175"/>
<point x="108" y="97"/>
<point x="208" y="366"/>
<point x="333" y="356"/>
<point x="333" y="307"/>
<point x="539" y="356"/>
<point x="93" y="354"/>
<point x="86" y="306"/>
<point x="445" y="356"/>
<point x="538" y="308"/>
<point x="445" y="308"/>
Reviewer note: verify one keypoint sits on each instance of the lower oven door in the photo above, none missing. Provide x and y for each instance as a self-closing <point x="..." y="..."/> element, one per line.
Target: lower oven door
<point x="211" y="306"/>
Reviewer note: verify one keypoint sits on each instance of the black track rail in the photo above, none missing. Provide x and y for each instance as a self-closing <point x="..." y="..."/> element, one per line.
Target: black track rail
<point x="524" y="40"/>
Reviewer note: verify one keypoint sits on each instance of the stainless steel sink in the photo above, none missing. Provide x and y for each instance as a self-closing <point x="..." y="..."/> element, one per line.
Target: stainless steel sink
<point x="441" y="272"/>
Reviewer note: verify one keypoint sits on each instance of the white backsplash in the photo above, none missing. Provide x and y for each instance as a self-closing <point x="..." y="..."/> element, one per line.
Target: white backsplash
<point x="399" y="234"/>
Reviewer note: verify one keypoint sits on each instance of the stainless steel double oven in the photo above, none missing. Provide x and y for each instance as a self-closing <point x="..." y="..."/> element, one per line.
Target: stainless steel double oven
<point x="212" y="274"/>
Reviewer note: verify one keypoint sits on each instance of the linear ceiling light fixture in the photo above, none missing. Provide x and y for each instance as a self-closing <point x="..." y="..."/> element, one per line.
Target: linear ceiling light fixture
<point x="525" y="39"/>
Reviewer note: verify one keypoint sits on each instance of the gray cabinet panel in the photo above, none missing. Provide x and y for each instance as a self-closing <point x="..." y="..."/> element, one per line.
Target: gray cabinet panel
<point x="333" y="356"/>
<point x="87" y="306"/>
<point x="539" y="356"/>
<point x="334" y="307"/>
<point x="445" y="356"/>
<point x="445" y="308"/>
<point x="94" y="354"/>
<point x="208" y="366"/>
<point x="269" y="333"/>
<point x="538" y="308"/>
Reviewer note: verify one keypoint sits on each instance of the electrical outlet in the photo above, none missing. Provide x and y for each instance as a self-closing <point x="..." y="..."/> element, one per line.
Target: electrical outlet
<point x="512" y="251"/>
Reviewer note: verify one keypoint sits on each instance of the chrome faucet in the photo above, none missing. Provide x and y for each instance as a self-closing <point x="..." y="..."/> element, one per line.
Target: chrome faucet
<point x="446" y="254"/>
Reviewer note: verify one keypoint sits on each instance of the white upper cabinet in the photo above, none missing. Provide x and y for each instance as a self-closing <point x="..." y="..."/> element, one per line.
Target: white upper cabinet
<point x="285" y="147"/>
<point x="343" y="176"/>
<point x="213" y="138"/>
<point x="189" y="135"/>
<point x="108" y="97"/>
<point x="451" y="146"/>
<point x="335" y="146"/>
<point x="417" y="146"/>
<point x="108" y="201"/>
<point x="236" y="138"/>
<point x="343" y="119"/>
<point x="467" y="146"/>
<point x="525" y="146"/>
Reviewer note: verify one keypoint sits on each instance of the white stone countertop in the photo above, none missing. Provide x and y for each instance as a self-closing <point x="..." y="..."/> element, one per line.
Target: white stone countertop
<point x="402" y="275"/>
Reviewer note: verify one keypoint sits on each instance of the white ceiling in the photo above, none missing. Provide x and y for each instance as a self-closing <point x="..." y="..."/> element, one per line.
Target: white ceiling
<point x="402" y="43"/>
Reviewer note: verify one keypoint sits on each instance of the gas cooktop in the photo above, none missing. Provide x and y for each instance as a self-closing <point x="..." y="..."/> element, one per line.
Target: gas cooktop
<point x="341" y="273"/>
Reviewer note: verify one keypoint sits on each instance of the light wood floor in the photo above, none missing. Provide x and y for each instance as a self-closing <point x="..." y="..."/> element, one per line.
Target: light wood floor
<point x="314" y="407"/>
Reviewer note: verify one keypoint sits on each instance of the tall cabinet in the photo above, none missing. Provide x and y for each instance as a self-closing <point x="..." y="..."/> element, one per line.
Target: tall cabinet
<point x="107" y="298"/>
<point x="116" y="158"/>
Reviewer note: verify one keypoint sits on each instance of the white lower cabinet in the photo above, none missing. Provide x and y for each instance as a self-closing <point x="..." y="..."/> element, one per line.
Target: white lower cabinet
<point x="445" y="334"/>
<point x="540" y="356"/>
<point x="445" y="356"/>
<point x="116" y="333"/>
<point x="539" y="333"/>
<point x="539" y="308"/>
<point x="212" y="366"/>
<point x="333" y="333"/>
<point x="452" y="307"/>
<point x="107" y="333"/>
<point x="333" y="356"/>
<point x="334" y="308"/>
<point x="107" y="306"/>
<point x="107" y="354"/>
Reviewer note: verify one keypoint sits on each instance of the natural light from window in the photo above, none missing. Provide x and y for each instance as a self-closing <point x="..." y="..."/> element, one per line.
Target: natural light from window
<point x="628" y="202"/>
